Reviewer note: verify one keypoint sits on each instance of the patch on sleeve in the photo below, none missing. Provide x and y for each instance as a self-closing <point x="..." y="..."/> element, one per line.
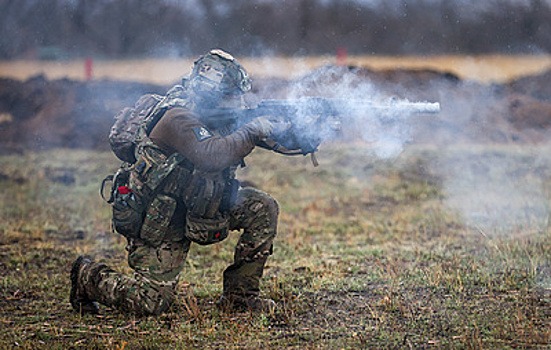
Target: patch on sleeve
<point x="202" y="133"/>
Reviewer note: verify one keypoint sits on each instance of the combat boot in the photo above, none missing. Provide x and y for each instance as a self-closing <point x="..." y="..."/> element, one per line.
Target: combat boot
<point x="80" y="301"/>
<point x="242" y="288"/>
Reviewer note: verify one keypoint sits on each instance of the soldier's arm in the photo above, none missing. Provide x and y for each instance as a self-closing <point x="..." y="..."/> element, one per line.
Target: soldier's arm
<point x="180" y="131"/>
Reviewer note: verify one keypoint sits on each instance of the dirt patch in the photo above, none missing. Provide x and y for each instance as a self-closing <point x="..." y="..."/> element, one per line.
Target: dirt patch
<point x="536" y="86"/>
<point x="529" y="112"/>
<point x="40" y="114"/>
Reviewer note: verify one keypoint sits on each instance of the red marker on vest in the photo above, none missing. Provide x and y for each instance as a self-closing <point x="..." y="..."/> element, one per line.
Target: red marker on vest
<point x="124" y="189"/>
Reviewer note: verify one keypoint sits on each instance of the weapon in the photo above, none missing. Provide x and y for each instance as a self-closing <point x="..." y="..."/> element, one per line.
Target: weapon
<point x="312" y="119"/>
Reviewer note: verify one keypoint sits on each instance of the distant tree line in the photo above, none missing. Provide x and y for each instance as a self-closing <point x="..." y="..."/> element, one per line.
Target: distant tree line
<point x="137" y="28"/>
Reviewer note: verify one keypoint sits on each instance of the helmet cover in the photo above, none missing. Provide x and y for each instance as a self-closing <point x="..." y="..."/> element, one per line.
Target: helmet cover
<point x="219" y="72"/>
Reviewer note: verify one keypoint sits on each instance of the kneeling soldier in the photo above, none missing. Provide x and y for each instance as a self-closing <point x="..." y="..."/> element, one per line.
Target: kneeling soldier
<point x="184" y="176"/>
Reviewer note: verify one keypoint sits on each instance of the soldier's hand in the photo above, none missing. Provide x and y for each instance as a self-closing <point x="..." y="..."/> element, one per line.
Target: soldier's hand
<point x="261" y="126"/>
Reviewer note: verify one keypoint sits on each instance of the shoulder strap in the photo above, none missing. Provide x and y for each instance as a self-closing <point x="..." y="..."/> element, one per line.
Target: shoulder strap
<point x="175" y="97"/>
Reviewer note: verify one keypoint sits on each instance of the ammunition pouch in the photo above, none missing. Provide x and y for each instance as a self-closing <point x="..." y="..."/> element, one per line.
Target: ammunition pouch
<point x="134" y="189"/>
<point x="144" y="198"/>
<point x="207" y="218"/>
<point x="158" y="216"/>
<point x="151" y="170"/>
<point x="206" y="231"/>
<point x="127" y="206"/>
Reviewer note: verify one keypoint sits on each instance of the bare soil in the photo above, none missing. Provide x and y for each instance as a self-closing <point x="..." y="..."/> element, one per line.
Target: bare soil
<point x="40" y="114"/>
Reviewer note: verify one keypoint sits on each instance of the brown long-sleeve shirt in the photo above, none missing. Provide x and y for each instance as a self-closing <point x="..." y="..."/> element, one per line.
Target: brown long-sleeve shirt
<point x="180" y="130"/>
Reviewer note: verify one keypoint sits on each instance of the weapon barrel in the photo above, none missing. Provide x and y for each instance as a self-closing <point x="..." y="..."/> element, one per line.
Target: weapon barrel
<point x="388" y="107"/>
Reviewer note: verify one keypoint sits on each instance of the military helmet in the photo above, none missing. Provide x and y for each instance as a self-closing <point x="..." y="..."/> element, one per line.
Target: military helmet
<point x="218" y="73"/>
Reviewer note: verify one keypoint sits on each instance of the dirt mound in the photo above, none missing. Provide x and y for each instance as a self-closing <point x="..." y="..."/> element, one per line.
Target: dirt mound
<point x="528" y="112"/>
<point x="38" y="113"/>
<point x="537" y="86"/>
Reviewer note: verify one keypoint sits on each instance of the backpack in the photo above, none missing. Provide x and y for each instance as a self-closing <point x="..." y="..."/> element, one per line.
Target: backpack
<point x="131" y="128"/>
<point x="125" y="132"/>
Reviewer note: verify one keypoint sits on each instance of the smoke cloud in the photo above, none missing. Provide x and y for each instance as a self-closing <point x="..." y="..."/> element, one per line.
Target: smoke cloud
<point x="385" y="127"/>
<point x="497" y="191"/>
<point x="494" y="185"/>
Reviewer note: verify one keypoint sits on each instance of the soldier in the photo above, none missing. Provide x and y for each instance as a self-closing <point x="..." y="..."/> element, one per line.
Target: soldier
<point x="198" y="201"/>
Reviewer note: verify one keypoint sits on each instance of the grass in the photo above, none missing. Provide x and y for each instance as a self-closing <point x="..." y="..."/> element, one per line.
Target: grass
<point x="369" y="255"/>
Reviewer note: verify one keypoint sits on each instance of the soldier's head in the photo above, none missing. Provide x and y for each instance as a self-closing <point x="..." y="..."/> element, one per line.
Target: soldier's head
<point x="218" y="80"/>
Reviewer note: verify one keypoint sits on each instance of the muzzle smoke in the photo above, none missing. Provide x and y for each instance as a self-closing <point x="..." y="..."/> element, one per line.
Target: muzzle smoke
<point x="387" y="131"/>
<point x="494" y="186"/>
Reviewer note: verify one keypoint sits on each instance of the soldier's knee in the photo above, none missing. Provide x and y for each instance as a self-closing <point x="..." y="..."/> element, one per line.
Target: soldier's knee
<point x="258" y="211"/>
<point x="272" y="206"/>
<point x="261" y="202"/>
<point x="270" y="209"/>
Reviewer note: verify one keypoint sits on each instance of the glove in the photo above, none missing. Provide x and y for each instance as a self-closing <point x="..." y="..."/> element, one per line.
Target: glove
<point x="261" y="126"/>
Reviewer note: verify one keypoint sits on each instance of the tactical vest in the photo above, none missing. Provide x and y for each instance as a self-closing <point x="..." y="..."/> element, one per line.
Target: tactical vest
<point x="207" y="196"/>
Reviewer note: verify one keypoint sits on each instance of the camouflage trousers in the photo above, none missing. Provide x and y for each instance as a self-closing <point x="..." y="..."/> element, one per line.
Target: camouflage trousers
<point x="158" y="266"/>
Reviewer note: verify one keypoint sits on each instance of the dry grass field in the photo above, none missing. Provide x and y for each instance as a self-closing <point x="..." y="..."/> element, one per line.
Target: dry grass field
<point x="486" y="69"/>
<point x="369" y="256"/>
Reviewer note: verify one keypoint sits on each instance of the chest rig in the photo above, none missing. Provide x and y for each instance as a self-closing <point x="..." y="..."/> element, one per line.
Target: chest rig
<point x="206" y="196"/>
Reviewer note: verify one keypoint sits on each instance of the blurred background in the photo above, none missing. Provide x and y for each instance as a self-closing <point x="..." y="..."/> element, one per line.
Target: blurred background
<point x="62" y="29"/>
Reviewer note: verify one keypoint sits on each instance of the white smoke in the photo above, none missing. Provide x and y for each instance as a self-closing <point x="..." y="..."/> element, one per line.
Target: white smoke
<point x="495" y="191"/>
<point x="493" y="185"/>
<point x="387" y="131"/>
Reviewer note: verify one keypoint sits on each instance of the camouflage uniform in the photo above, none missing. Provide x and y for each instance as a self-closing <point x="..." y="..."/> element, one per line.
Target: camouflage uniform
<point x="157" y="268"/>
<point x="197" y="185"/>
